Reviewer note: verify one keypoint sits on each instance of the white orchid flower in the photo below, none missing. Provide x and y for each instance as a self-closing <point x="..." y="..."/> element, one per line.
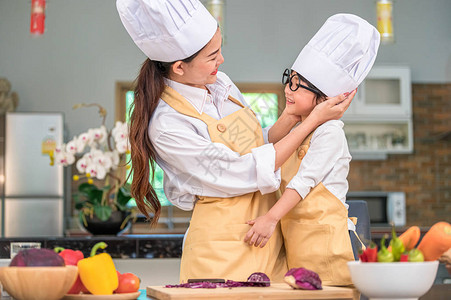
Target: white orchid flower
<point x="103" y="159"/>
<point x="71" y="146"/>
<point x="122" y="146"/>
<point x="96" y="170"/>
<point x="92" y="142"/>
<point x="82" y="164"/>
<point x="120" y="132"/>
<point x="83" y="140"/>
<point x="99" y="134"/>
<point x="59" y="149"/>
<point x="98" y="159"/>
<point x="114" y="157"/>
<point x="64" y="158"/>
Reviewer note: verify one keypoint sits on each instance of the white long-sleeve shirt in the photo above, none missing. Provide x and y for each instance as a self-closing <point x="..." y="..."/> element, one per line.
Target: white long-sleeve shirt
<point x="327" y="161"/>
<point x="192" y="163"/>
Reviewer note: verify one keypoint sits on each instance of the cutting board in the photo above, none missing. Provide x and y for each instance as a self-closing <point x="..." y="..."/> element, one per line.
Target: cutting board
<point x="275" y="291"/>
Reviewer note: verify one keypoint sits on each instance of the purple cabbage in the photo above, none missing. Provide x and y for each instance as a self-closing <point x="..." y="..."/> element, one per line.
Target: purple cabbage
<point x="301" y="278"/>
<point x="213" y="285"/>
<point x="195" y="285"/>
<point x="255" y="279"/>
<point x="36" y="257"/>
<point x="259" y="277"/>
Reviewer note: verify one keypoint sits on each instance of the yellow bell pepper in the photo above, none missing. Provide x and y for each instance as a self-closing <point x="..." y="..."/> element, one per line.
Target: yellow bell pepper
<point x="98" y="273"/>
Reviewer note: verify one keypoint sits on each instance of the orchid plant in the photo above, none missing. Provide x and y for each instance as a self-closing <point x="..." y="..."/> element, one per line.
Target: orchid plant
<point x="98" y="154"/>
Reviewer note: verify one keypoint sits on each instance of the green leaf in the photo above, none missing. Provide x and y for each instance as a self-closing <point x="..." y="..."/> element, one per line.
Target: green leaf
<point x="82" y="218"/>
<point x="102" y="212"/>
<point x="79" y="205"/>
<point x="87" y="188"/>
<point x="88" y="193"/>
<point x="123" y="196"/>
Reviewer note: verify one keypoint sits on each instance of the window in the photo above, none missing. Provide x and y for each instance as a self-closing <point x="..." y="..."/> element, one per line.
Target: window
<point x="266" y="100"/>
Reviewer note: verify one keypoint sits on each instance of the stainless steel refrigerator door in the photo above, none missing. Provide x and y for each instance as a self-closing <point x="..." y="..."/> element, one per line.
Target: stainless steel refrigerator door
<point x="27" y="170"/>
<point x="31" y="217"/>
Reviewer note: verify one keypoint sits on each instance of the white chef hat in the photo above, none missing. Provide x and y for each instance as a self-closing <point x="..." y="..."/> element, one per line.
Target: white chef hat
<point x="167" y="30"/>
<point x="340" y="55"/>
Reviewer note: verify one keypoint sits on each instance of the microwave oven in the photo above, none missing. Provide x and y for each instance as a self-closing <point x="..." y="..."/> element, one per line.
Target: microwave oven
<point x="385" y="208"/>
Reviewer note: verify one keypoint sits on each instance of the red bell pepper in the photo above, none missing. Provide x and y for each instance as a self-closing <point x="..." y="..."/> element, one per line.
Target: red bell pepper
<point x="370" y="253"/>
<point x="71" y="258"/>
<point x="363" y="257"/>
<point x="404" y="257"/>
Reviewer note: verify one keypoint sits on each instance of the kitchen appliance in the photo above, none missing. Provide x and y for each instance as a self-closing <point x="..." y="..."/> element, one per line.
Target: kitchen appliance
<point x="32" y="191"/>
<point x="384" y="208"/>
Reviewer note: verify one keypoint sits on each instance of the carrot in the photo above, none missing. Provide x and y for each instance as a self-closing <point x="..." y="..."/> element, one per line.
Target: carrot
<point x="410" y="237"/>
<point x="436" y="241"/>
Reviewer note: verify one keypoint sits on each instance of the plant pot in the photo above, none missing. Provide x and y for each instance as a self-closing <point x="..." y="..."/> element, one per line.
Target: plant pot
<point x="112" y="226"/>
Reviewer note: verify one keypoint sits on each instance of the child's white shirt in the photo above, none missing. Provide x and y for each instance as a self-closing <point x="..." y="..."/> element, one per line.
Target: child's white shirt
<point x="327" y="161"/>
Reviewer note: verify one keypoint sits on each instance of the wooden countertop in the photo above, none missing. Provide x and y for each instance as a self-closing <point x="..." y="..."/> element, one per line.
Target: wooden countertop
<point x="275" y="291"/>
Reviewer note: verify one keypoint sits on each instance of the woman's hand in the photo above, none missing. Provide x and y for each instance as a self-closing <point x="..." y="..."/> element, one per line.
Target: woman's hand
<point x="332" y="108"/>
<point x="262" y="229"/>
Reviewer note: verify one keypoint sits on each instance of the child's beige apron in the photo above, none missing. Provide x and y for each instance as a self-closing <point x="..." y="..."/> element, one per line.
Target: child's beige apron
<point x="315" y="231"/>
<point x="214" y="245"/>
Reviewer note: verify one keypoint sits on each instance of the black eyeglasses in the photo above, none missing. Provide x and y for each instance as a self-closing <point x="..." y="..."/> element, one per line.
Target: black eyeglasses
<point x="295" y="81"/>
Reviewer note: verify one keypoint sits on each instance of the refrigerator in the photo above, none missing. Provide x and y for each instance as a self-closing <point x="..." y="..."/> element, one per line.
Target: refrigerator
<point x="32" y="191"/>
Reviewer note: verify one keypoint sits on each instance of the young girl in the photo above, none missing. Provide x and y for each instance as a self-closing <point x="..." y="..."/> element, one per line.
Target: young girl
<point x="312" y="209"/>
<point x="186" y="116"/>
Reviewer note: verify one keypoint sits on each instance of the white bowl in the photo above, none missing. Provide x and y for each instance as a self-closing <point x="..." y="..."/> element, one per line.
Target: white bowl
<point x="397" y="280"/>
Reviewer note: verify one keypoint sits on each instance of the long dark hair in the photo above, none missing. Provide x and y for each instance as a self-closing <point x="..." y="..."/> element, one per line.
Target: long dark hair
<point x="148" y="90"/>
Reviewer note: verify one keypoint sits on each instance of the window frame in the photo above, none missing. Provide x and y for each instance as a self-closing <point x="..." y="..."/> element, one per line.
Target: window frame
<point x="273" y="88"/>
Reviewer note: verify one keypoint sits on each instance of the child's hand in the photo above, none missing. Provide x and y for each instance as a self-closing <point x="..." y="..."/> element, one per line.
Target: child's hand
<point x="262" y="229"/>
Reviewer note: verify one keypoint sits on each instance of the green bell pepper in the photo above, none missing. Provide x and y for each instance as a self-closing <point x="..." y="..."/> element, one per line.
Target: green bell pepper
<point x="415" y="255"/>
<point x="384" y="255"/>
<point x="397" y="247"/>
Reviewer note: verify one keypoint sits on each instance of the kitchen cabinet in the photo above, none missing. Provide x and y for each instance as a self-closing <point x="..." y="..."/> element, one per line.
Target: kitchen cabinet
<point x="379" y="121"/>
<point x="386" y="91"/>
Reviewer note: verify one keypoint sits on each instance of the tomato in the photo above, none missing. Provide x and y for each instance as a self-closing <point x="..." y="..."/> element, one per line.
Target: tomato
<point x="128" y="283"/>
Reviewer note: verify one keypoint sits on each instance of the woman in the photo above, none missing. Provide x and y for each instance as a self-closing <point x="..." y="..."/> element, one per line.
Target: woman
<point x="191" y="119"/>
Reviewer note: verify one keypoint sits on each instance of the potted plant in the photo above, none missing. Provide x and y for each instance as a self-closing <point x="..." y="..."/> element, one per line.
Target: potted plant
<point x="99" y="154"/>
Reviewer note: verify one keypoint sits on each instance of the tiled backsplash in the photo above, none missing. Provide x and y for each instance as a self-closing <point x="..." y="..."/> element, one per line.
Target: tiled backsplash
<point x="127" y="246"/>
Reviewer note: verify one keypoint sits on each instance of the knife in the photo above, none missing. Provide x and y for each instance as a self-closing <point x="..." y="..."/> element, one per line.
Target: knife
<point x="231" y="282"/>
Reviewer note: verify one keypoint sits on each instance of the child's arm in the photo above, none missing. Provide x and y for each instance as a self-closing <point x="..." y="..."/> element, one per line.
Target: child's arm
<point x="264" y="226"/>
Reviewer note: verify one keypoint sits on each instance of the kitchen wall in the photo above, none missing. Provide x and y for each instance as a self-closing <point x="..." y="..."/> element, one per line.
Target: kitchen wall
<point x="425" y="175"/>
<point x="86" y="50"/>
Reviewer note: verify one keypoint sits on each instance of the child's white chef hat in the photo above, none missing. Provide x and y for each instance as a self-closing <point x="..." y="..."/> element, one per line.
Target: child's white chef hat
<point x="340" y="55"/>
<point x="167" y="30"/>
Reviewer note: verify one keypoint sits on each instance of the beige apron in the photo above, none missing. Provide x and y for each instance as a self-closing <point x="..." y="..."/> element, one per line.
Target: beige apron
<point x="214" y="245"/>
<point x="315" y="231"/>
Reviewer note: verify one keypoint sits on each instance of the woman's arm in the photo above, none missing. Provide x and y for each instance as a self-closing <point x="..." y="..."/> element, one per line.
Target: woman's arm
<point x="282" y="127"/>
<point x="331" y="109"/>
